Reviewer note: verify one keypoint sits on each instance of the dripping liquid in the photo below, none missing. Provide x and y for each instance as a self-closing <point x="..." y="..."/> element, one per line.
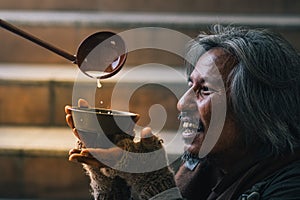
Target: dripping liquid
<point x="99" y="85"/>
<point x="97" y="75"/>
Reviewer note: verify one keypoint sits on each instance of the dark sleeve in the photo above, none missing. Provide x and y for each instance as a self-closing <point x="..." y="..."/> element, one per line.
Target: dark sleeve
<point x="283" y="185"/>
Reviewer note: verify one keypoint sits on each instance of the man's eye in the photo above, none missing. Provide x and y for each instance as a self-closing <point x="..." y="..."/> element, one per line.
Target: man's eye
<point x="204" y="91"/>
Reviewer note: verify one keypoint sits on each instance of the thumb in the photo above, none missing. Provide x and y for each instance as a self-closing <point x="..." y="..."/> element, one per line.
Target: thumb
<point x="149" y="140"/>
<point x="146" y="135"/>
<point x="83" y="103"/>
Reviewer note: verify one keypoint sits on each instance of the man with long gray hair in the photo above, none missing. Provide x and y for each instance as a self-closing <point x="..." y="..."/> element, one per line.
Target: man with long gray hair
<point x="252" y="78"/>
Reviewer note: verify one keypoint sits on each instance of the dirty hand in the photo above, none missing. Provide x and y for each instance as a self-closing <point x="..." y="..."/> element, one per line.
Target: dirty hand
<point x="142" y="164"/>
<point x="103" y="187"/>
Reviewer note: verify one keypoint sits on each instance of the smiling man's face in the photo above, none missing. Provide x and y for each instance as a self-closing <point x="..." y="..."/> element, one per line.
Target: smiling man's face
<point x="207" y="83"/>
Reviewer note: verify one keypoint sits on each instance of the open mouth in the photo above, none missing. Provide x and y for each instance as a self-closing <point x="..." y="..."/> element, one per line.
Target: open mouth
<point x="191" y="129"/>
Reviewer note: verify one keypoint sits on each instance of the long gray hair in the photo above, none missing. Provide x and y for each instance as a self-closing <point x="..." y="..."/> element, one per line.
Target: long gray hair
<point x="264" y="85"/>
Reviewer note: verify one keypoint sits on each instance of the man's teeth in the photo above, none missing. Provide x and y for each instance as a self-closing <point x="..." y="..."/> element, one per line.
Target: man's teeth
<point x="189" y="125"/>
<point x="188" y="135"/>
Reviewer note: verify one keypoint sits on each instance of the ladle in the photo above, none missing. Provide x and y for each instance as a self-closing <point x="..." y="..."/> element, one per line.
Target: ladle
<point x="100" y="55"/>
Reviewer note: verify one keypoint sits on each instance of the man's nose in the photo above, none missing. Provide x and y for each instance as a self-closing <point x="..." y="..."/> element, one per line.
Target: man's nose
<point x="187" y="102"/>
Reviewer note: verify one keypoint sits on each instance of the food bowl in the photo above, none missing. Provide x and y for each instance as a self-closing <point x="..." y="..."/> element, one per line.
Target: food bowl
<point x="103" y="128"/>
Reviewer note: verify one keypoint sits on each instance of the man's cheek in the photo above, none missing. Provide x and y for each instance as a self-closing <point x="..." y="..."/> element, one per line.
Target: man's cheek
<point x="204" y="108"/>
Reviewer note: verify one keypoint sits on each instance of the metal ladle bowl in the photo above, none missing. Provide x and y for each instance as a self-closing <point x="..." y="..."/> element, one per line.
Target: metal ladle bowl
<point x="101" y="55"/>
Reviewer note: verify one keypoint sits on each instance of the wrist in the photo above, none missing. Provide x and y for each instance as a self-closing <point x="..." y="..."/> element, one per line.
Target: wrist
<point x="154" y="183"/>
<point x="106" y="188"/>
<point x="99" y="182"/>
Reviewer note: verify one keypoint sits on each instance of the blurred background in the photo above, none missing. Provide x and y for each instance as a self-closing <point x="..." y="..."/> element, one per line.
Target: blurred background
<point x="36" y="84"/>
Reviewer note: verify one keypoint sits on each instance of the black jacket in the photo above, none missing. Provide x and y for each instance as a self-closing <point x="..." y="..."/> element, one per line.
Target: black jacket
<point x="275" y="178"/>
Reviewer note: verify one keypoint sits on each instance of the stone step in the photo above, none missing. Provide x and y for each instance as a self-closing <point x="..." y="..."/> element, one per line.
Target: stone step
<point x="34" y="163"/>
<point x="178" y="6"/>
<point x="67" y="29"/>
<point x="35" y="95"/>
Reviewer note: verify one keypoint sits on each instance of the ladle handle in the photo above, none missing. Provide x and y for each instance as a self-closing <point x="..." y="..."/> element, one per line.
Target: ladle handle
<point x="37" y="41"/>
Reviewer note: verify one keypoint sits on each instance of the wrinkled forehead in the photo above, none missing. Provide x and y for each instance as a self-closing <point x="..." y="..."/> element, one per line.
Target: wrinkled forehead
<point x="216" y="63"/>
